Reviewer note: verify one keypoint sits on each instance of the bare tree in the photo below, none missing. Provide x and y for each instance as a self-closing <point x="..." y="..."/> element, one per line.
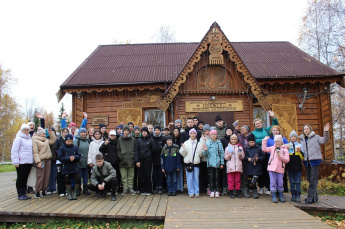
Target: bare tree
<point x="30" y="106"/>
<point x="165" y="35"/>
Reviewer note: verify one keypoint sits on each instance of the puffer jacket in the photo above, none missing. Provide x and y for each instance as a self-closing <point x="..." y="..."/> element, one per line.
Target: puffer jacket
<point x="83" y="149"/>
<point x="261" y="133"/>
<point x="276" y="163"/>
<point x="144" y="149"/>
<point x="103" y="174"/>
<point x="21" y="152"/>
<point x="41" y="147"/>
<point x="311" y="145"/>
<point x="221" y="131"/>
<point x="160" y="141"/>
<point x="110" y="152"/>
<point x="126" y="147"/>
<point x="93" y="151"/>
<point x="68" y="166"/>
<point x="188" y="151"/>
<point x="170" y="158"/>
<point x="296" y="158"/>
<point x="234" y="163"/>
<point x="250" y="152"/>
<point x="214" y="153"/>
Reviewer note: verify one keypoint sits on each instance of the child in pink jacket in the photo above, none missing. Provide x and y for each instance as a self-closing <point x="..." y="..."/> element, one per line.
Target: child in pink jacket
<point x="276" y="166"/>
<point x="234" y="155"/>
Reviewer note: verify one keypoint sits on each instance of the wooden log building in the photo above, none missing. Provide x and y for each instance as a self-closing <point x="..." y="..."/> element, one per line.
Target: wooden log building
<point x="238" y="80"/>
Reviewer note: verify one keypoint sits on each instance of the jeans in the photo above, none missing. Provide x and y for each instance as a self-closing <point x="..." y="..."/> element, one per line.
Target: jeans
<point x="84" y="174"/>
<point x="295" y="180"/>
<point x="193" y="181"/>
<point x="172" y="181"/>
<point x="276" y="180"/>
<point x="52" y="178"/>
<point x="180" y="179"/>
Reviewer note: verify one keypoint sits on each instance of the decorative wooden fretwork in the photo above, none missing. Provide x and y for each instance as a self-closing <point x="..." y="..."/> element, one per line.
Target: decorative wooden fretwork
<point x="125" y="115"/>
<point x="213" y="38"/>
<point x="216" y="49"/>
<point x="150" y="99"/>
<point x="287" y="116"/>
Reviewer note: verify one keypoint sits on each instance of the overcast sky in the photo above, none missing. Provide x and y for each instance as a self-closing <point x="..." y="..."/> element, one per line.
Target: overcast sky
<point x="43" y="41"/>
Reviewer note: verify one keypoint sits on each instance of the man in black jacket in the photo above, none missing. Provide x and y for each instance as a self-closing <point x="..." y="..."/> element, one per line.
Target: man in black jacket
<point x="158" y="175"/>
<point x="145" y="146"/>
<point x="185" y="134"/>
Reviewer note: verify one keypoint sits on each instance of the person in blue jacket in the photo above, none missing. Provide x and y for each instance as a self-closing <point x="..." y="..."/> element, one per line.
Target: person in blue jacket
<point x="171" y="164"/>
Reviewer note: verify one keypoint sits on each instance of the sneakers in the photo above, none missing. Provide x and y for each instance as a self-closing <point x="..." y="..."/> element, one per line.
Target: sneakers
<point x="44" y="194"/>
<point x="49" y="193"/>
<point x="212" y="194"/>
<point x="160" y="191"/>
<point x="132" y="192"/>
<point x="125" y="191"/>
<point x="173" y="193"/>
<point x="267" y="192"/>
<point x="196" y="196"/>
<point x="224" y="192"/>
<point x="217" y="195"/>
<point x="191" y="196"/>
<point x="37" y="195"/>
<point x="261" y="191"/>
<point x="62" y="194"/>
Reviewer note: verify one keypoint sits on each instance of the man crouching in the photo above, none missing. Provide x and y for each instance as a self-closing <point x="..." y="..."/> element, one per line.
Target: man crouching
<point x="103" y="178"/>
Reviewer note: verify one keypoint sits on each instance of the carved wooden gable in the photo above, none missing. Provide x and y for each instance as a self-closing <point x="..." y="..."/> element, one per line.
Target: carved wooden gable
<point x="213" y="74"/>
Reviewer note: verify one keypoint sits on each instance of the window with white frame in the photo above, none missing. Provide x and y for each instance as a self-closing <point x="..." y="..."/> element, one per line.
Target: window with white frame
<point x="155" y="117"/>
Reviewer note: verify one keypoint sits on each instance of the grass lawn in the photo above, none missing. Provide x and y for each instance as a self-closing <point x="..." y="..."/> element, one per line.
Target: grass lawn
<point x="132" y="224"/>
<point x="7" y="168"/>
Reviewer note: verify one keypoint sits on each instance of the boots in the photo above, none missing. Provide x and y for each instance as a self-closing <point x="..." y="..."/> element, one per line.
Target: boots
<point x="274" y="196"/>
<point x="113" y="196"/>
<point x="281" y="196"/>
<point x="245" y="192"/>
<point x="78" y="190"/>
<point x="104" y="193"/>
<point x="224" y="191"/>
<point x="231" y="194"/>
<point x="298" y="196"/>
<point x="75" y="191"/>
<point x="238" y="194"/>
<point x="69" y="192"/>
<point x="293" y="196"/>
<point x="85" y="190"/>
<point x="255" y="193"/>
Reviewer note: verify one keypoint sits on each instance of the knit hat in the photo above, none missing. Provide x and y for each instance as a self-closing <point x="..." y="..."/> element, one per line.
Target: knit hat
<point x="247" y="128"/>
<point x="206" y="127"/>
<point x="218" y="118"/>
<point x="145" y="129"/>
<point x="293" y="133"/>
<point x="102" y="125"/>
<point x="233" y="136"/>
<point x="213" y="128"/>
<point x="136" y="128"/>
<point x="278" y="138"/>
<point x="125" y="128"/>
<point x="169" y="137"/>
<point x="130" y="123"/>
<point x="251" y="137"/>
<point x="31" y="123"/>
<point x="40" y="131"/>
<point x="157" y="127"/>
<point x="119" y="126"/>
<point x="229" y="127"/>
<point x="192" y="130"/>
<point x="179" y="121"/>
<point x="69" y="137"/>
<point x="24" y="126"/>
<point x="82" y="130"/>
<point x="201" y="122"/>
<point x="72" y="124"/>
<point x="112" y="132"/>
<point x="213" y="132"/>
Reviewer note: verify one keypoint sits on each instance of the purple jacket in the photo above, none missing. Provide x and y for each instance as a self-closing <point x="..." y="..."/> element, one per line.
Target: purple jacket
<point x="21" y="152"/>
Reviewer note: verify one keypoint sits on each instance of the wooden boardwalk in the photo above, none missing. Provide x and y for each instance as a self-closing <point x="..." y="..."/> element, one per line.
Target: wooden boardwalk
<point x="178" y="212"/>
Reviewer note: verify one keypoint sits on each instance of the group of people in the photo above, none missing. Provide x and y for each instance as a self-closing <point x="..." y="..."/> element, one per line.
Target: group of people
<point x="217" y="160"/>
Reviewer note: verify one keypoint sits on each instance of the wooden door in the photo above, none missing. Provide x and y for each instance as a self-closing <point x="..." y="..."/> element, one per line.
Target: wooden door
<point x="209" y="117"/>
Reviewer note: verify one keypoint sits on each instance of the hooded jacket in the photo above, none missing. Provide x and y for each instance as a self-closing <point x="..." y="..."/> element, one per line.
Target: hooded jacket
<point x="144" y="149"/>
<point x="41" y="147"/>
<point x="93" y="151"/>
<point x="234" y="164"/>
<point x="170" y="158"/>
<point x="214" y="153"/>
<point x="250" y="152"/>
<point x="221" y="131"/>
<point x="126" y="147"/>
<point x="109" y="151"/>
<point x="83" y="149"/>
<point x="21" y="152"/>
<point x="311" y="145"/>
<point x="68" y="166"/>
<point x="261" y="133"/>
<point x="276" y="163"/>
<point x="160" y="141"/>
<point x="188" y="151"/>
